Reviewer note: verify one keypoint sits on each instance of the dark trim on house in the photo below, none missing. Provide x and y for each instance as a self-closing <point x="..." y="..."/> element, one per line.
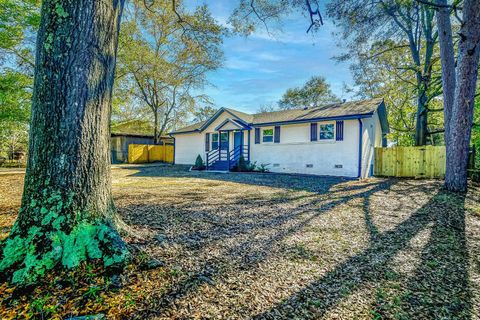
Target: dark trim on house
<point x="382" y="117"/>
<point x="348" y="117"/>
<point x="239" y="124"/>
<point x="174" y="148"/>
<point x="248" y="145"/>
<point x="190" y="131"/>
<point x="313" y="131"/>
<point x="381" y="109"/>
<point x="360" y="147"/>
<point x="276" y="134"/>
<point x="215" y="116"/>
<point x="339" y="130"/>
<point x="209" y="121"/>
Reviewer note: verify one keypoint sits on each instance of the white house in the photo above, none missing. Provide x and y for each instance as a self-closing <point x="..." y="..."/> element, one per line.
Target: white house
<point x="335" y="140"/>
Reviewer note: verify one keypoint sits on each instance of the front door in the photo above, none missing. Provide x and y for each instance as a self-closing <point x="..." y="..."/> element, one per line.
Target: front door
<point x="237" y="139"/>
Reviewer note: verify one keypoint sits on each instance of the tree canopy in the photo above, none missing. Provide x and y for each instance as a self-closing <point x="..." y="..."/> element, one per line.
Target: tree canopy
<point x="163" y="63"/>
<point x="315" y="92"/>
<point x="371" y="31"/>
<point x="19" y="21"/>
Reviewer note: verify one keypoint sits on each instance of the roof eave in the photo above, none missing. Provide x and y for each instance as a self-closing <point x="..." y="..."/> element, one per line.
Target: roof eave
<point x="182" y="132"/>
<point x="239" y="124"/>
<point x="383" y="118"/>
<point x="345" y="117"/>
<point x="216" y="115"/>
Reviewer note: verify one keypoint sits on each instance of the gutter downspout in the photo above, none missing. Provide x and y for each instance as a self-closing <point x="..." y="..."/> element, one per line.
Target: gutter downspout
<point x="360" y="147"/>
<point x="173" y="148"/>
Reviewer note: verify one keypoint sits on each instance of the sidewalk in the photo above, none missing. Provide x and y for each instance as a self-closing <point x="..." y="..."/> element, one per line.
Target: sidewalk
<point x="4" y="171"/>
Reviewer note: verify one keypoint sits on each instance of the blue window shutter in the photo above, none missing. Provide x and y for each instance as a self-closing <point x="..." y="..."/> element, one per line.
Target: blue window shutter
<point x="276" y="135"/>
<point x="257" y="135"/>
<point x="339" y="131"/>
<point x="313" y="132"/>
<point x="207" y="142"/>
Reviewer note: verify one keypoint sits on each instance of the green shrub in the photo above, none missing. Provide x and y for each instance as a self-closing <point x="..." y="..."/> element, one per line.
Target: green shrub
<point x="263" y="167"/>
<point x="251" y="166"/>
<point x="243" y="165"/>
<point x="199" y="165"/>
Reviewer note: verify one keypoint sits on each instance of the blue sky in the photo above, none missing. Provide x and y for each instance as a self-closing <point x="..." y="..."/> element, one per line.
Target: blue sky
<point x="259" y="68"/>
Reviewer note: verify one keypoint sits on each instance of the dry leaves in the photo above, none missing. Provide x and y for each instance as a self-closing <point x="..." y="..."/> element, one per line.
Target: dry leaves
<point x="239" y="246"/>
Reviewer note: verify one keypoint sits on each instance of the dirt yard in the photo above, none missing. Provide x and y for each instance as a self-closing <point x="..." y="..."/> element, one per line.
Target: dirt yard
<point x="267" y="246"/>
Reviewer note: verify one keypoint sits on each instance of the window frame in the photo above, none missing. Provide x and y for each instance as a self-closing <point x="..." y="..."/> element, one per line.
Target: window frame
<point x="214" y="134"/>
<point x="320" y="125"/>
<point x="271" y="136"/>
<point x="224" y="134"/>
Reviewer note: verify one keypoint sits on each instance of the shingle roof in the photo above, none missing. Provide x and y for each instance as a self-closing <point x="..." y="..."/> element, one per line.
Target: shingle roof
<point x="327" y="111"/>
<point x="190" y="128"/>
<point x="354" y="108"/>
<point x="248" y="118"/>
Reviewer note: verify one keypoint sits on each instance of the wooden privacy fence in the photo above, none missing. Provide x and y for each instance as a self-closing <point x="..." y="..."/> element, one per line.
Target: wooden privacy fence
<point x="414" y="162"/>
<point x="142" y="153"/>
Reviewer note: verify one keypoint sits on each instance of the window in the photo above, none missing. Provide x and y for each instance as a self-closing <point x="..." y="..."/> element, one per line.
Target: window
<point x="267" y="135"/>
<point x="327" y="131"/>
<point x="214" y="141"/>
<point x="224" y="140"/>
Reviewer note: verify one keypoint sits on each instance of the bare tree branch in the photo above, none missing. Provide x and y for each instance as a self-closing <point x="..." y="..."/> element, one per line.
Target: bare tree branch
<point x="314" y="22"/>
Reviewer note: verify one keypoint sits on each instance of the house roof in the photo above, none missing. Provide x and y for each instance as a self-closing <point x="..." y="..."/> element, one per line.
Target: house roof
<point x="190" y="128"/>
<point x="136" y="126"/>
<point x="347" y="110"/>
<point x="134" y="135"/>
<point x="328" y="111"/>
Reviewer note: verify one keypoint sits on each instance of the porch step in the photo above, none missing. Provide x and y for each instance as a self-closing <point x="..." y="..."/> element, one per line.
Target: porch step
<point x="219" y="165"/>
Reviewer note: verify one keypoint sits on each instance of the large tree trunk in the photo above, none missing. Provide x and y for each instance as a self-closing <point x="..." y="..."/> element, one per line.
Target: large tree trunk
<point x="67" y="213"/>
<point x="460" y="115"/>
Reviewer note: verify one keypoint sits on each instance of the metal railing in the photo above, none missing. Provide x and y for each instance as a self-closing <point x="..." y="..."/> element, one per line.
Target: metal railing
<point x="231" y="156"/>
<point x="236" y="153"/>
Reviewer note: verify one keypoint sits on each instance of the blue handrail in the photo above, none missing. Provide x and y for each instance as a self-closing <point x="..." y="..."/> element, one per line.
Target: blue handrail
<point x="231" y="156"/>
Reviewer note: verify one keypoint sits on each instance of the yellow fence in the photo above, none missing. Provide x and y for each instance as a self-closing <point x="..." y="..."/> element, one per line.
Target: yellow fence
<point x="415" y="162"/>
<point x="141" y="153"/>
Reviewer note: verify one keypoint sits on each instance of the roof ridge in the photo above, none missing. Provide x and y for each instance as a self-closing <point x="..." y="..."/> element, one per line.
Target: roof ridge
<point x="320" y="106"/>
<point x="235" y="110"/>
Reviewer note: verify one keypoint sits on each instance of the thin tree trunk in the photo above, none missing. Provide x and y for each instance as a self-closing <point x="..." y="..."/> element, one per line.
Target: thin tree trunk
<point x="447" y="58"/>
<point x="461" y="117"/>
<point x="421" y="129"/>
<point x="156" y="139"/>
<point x="423" y="79"/>
<point x="67" y="213"/>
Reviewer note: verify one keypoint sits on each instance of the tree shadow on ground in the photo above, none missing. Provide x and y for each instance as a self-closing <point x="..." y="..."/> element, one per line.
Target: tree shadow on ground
<point x="283" y="222"/>
<point x="249" y="251"/>
<point x="439" y="287"/>
<point x="298" y="182"/>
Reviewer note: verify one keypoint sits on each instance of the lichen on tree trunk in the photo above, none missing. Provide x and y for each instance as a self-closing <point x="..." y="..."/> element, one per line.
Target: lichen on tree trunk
<point x="67" y="214"/>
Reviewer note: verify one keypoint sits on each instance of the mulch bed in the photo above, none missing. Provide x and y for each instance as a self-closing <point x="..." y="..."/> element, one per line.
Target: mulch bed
<point x="270" y="246"/>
